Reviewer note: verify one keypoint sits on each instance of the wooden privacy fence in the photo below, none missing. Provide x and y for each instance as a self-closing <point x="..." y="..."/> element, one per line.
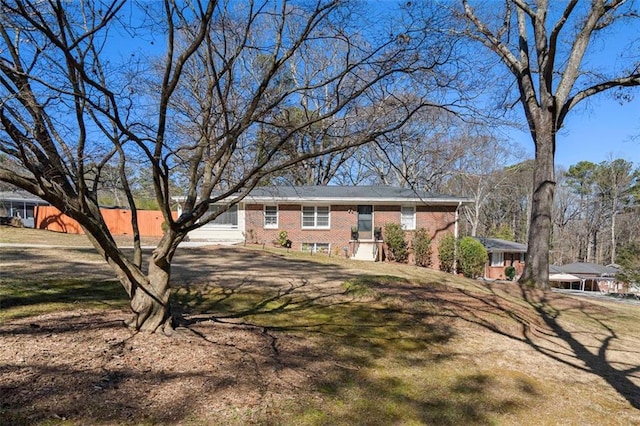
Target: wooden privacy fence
<point x="118" y="221"/>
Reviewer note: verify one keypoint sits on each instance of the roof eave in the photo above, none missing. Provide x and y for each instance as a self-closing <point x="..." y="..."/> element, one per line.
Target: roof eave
<point x="359" y="200"/>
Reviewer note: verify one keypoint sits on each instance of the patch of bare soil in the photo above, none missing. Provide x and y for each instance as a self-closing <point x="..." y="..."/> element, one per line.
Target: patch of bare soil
<point x="88" y="367"/>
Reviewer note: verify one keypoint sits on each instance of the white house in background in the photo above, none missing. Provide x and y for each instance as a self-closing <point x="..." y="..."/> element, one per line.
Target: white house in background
<point x="20" y="204"/>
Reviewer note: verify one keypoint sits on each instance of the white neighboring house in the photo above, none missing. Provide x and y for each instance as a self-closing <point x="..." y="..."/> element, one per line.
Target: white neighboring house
<point x="226" y="228"/>
<point x="20" y="204"/>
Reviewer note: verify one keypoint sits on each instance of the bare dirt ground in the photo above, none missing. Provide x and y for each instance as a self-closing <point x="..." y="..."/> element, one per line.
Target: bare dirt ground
<point x="82" y="366"/>
<point x="86" y="365"/>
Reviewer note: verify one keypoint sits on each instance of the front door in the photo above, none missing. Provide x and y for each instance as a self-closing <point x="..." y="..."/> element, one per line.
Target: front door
<point x="365" y="222"/>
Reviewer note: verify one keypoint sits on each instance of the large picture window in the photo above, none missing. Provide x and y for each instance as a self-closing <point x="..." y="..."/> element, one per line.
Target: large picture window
<point x="315" y="217"/>
<point x="408" y="217"/>
<point x="270" y="216"/>
<point x="226" y="219"/>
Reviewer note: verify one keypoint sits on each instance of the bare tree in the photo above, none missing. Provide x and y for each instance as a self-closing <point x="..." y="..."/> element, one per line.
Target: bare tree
<point x="481" y="175"/>
<point x="195" y="115"/>
<point x="565" y="241"/>
<point x="618" y="185"/>
<point x="547" y="61"/>
<point x="422" y="155"/>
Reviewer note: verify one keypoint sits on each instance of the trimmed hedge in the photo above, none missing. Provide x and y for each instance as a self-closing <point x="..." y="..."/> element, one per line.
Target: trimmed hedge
<point x="446" y="251"/>
<point x="422" y="247"/>
<point x="394" y="237"/>
<point x="472" y="258"/>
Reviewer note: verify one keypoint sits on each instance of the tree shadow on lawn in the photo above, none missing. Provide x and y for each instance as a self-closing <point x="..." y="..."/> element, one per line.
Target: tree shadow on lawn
<point x="369" y="340"/>
<point x="118" y="382"/>
<point x="312" y="351"/>
<point x="24" y="297"/>
<point x="370" y="345"/>
<point x="544" y="324"/>
<point x="39" y="263"/>
<point x="199" y="264"/>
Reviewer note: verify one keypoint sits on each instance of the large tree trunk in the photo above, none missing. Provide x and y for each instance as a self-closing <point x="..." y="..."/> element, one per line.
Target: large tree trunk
<point x="536" y="272"/>
<point x="150" y="296"/>
<point x="150" y="301"/>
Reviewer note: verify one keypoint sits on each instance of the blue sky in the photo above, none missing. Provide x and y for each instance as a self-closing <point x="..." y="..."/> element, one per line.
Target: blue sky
<point x="600" y="130"/>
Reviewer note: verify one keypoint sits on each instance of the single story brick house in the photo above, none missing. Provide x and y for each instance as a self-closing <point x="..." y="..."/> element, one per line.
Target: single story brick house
<point x="503" y="253"/>
<point x="326" y="218"/>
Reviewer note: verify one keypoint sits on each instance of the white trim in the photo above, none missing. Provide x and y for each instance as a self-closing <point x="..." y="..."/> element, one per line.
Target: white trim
<point x="315" y="217"/>
<point x="403" y="216"/>
<point x="264" y="218"/>
<point x="494" y="262"/>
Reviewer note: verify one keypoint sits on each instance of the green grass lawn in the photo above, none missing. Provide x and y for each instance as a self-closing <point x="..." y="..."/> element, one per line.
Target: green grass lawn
<point x="20" y="298"/>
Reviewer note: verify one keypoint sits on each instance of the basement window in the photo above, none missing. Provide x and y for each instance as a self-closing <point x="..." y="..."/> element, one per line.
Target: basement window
<point x="316" y="247"/>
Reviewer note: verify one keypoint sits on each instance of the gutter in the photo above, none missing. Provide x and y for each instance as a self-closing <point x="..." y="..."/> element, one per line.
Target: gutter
<point x="455" y="235"/>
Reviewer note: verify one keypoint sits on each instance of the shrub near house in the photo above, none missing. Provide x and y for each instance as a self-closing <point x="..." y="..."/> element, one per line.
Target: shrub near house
<point x="446" y="253"/>
<point x="394" y="238"/>
<point x="422" y="248"/>
<point x="473" y="257"/>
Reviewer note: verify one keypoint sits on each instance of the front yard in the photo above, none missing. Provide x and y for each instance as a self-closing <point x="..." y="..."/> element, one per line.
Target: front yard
<point x="271" y="337"/>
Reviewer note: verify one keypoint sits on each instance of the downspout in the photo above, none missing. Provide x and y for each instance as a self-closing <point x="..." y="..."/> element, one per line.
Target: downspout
<point x="455" y="236"/>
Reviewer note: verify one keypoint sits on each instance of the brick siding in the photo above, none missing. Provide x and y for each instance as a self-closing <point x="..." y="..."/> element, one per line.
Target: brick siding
<point x="436" y="219"/>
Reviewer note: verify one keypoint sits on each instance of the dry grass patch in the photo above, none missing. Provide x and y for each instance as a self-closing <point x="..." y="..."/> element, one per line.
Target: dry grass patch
<point x="11" y="235"/>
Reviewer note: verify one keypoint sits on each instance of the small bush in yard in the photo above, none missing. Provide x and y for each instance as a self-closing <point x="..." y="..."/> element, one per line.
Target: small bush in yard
<point x="394" y="237"/>
<point x="446" y="250"/>
<point x="510" y="272"/>
<point x="422" y="247"/>
<point x="473" y="256"/>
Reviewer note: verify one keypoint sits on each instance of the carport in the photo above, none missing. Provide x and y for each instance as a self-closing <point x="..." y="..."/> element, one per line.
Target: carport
<point x="564" y="278"/>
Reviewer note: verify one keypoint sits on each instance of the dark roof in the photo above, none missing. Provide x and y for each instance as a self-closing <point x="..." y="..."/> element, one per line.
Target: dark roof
<point x="555" y="269"/>
<point x="498" y="245"/>
<point x="351" y="194"/>
<point x="582" y="268"/>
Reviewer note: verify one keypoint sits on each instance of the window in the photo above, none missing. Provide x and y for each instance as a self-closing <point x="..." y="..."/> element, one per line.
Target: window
<point x="408" y="217"/>
<point x="316" y="247"/>
<point x="226" y="219"/>
<point x="497" y="259"/>
<point x="270" y="216"/>
<point x="315" y="217"/>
